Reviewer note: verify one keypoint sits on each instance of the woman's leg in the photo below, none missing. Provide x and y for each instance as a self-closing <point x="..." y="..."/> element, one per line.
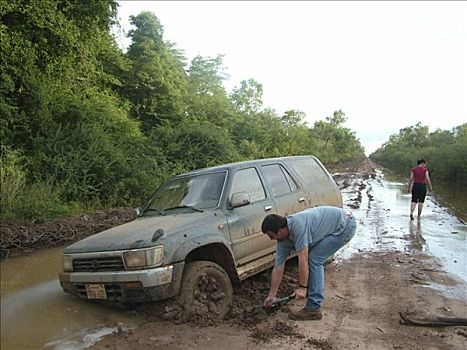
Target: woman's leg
<point x="420" y="208"/>
<point x="412" y="208"/>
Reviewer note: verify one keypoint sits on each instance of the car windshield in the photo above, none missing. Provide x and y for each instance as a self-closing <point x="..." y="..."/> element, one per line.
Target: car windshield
<point x="195" y="193"/>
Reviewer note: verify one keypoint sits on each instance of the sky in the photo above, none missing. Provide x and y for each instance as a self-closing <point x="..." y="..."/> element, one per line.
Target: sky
<point x="386" y="64"/>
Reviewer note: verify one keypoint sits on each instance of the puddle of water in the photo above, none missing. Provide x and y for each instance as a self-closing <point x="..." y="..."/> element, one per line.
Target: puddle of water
<point x="20" y="272"/>
<point x="84" y="339"/>
<point x="40" y="314"/>
<point x="380" y="202"/>
<point x="450" y="291"/>
<point x="384" y="225"/>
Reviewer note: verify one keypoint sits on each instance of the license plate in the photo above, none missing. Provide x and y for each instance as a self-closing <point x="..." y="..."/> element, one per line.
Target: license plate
<point x="96" y="291"/>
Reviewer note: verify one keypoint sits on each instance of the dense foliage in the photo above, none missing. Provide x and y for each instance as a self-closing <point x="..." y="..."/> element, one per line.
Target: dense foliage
<point x="85" y="124"/>
<point x="444" y="150"/>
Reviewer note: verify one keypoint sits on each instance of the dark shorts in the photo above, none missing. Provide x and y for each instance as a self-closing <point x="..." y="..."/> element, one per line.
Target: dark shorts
<point x="418" y="193"/>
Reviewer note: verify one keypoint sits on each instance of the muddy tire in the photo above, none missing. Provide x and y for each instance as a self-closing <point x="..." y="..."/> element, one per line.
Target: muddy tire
<point x="206" y="290"/>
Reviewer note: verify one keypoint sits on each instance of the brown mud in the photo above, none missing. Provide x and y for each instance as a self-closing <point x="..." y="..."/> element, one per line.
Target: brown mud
<point x="364" y="296"/>
<point x="23" y="238"/>
<point x="361" y="311"/>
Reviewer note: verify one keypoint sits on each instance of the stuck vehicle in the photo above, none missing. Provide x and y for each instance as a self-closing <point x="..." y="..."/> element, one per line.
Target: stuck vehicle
<point x="198" y="236"/>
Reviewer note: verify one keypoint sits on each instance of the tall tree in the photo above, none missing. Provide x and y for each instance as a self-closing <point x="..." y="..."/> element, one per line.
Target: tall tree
<point x="248" y="98"/>
<point x="292" y="118"/>
<point x="207" y="98"/>
<point x="334" y="141"/>
<point x="46" y="47"/>
<point x="156" y="86"/>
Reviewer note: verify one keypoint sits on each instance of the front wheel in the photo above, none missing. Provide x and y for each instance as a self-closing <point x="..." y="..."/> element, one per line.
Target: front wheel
<point x="206" y="289"/>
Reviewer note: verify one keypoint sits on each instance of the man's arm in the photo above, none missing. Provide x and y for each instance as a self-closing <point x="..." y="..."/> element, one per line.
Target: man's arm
<point x="276" y="279"/>
<point x="301" y="292"/>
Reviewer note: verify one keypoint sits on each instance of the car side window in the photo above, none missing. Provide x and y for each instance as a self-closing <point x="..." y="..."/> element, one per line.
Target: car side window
<point x="292" y="184"/>
<point x="279" y="179"/>
<point x="247" y="180"/>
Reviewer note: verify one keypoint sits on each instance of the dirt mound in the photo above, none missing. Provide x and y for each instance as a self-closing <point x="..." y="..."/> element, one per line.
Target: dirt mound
<point x="362" y="166"/>
<point x="21" y="238"/>
<point x="278" y="329"/>
<point x="344" y="174"/>
<point x="246" y="311"/>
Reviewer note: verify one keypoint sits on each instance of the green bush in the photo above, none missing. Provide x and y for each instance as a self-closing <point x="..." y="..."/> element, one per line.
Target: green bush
<point x="40" y="201"/>
<point x="12" y="179"/>
<point x="33" y="202"/>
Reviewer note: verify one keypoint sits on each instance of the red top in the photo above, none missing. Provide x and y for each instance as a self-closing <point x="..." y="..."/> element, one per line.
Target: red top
<point x="419" y="174"/>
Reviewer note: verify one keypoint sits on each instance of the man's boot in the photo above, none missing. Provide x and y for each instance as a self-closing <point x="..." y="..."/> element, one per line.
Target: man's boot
<point x="305" y="314"/>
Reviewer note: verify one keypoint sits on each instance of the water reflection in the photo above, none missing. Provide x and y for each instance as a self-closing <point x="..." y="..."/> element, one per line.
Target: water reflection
<point x="35" y="312"/>
<point x="18" y="273"/>
<point x="384" y="225"/>
<point x="415" y="234"/>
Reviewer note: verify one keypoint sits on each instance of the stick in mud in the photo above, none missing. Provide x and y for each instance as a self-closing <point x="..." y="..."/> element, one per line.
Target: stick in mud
<point x="432" y="321"/>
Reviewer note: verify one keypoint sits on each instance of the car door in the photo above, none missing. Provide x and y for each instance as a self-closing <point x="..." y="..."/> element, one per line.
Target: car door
<point x="287" y="193"/>
<point x="248" y="241"/>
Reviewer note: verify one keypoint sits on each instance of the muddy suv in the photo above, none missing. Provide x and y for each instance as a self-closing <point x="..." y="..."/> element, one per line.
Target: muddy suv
<point x="199" y="234"/>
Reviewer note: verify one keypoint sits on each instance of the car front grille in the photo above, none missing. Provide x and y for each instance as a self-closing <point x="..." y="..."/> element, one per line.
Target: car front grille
<point x="98" y="264"/>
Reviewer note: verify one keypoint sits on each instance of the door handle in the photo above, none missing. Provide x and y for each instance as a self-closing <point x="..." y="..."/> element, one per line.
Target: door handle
<point x="269" y="207"/>
<point x="301" y="199"/>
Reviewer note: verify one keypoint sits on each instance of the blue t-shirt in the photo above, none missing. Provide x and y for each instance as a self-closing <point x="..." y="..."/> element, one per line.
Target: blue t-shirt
<point x="308" y="227"/>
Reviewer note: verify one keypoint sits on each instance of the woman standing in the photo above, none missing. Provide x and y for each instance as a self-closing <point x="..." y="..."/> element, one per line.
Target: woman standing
<point x="419" y="177"/>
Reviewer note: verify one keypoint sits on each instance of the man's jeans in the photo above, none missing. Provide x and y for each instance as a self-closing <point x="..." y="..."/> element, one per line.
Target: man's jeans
<point x="317" y="255"/>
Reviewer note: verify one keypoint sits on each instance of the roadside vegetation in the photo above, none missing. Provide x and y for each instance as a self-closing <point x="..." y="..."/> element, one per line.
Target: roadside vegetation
<point x="86" y="125"/>
<point x="444" y="150"/>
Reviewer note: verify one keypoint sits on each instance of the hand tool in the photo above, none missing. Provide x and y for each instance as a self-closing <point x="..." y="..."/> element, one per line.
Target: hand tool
<point x="284" y="300"/>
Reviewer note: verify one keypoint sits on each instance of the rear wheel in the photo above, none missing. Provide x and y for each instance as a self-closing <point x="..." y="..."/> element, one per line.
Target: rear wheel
<point x="206" y="290"/>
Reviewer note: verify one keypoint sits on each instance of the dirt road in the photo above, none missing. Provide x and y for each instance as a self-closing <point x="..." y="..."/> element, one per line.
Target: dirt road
<point x="364" y="296"/>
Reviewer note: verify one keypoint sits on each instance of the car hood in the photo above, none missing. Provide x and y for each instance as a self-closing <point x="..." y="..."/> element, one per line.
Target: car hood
<point x="139" y="233"/>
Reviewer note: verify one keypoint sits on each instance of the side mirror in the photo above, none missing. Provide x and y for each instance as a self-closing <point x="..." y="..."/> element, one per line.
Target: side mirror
<point x="239" y="199"/>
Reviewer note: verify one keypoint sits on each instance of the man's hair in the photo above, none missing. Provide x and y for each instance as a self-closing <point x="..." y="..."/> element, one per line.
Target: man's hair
<point x="273" y="222"/>
<point x="421" y="161"/>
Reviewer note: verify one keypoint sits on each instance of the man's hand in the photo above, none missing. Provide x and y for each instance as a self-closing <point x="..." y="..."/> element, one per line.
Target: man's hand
<point x="301" y="293"/>
<point x="269" y="300"/>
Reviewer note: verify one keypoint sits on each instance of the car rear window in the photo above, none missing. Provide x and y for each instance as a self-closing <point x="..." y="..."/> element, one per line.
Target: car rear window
<point x="310" y="170"/>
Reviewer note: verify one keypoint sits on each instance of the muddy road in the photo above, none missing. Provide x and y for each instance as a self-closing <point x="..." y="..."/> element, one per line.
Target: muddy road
<point x="392" y="265"/>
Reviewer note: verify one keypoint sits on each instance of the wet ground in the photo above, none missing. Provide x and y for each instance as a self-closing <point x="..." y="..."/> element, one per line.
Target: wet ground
<point x="388" y="267"/>
<point x="383" y="214"/>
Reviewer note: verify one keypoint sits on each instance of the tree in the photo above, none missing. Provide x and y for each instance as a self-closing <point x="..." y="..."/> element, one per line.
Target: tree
<point x="293" y="118"/>
<point x="334" y="141"/>
<point x="193" y="144"/>
<point x="248" y="97"/>
<point x="207" y="99"/>
<point x="156" y="86"/>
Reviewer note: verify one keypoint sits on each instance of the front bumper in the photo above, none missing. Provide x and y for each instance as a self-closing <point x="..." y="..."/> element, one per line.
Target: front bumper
<point x="127" y="286"/>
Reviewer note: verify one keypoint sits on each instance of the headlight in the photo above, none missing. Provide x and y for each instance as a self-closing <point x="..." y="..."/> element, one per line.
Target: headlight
<point x="144" y="257"/>
<point x="67" y="263"/>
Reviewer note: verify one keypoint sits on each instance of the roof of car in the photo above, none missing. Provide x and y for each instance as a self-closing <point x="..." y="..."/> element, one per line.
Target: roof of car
<point x="229" y="166"/>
